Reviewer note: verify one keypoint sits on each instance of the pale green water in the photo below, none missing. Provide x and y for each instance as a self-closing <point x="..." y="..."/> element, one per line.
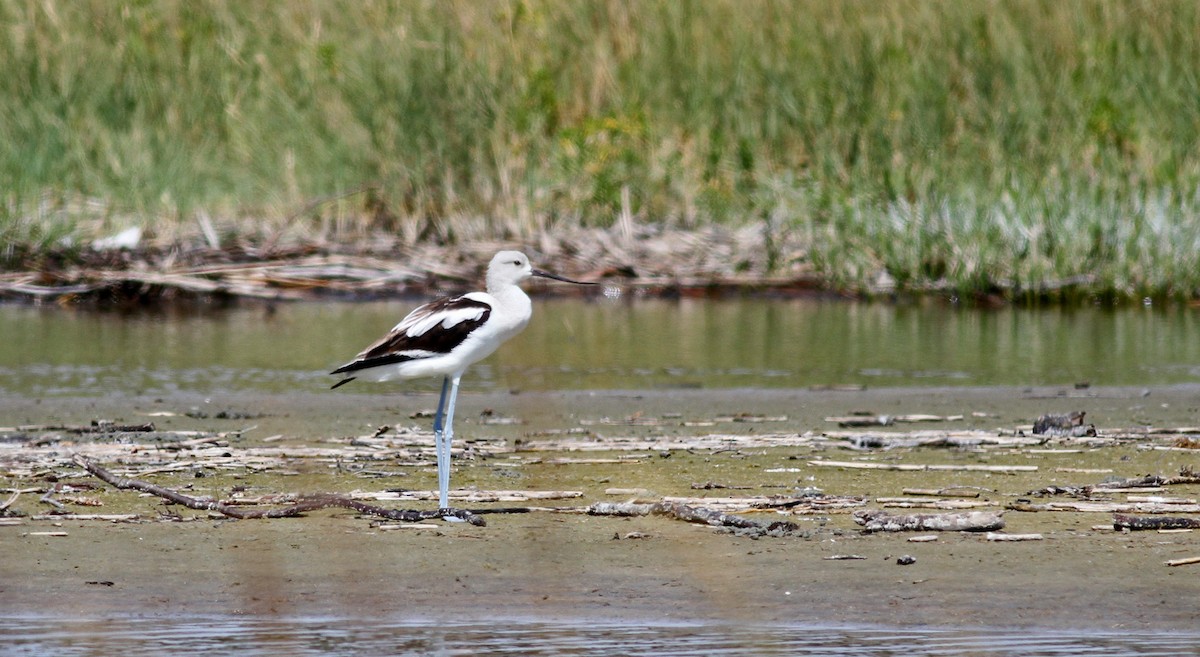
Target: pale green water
<point x="605" y="344"/>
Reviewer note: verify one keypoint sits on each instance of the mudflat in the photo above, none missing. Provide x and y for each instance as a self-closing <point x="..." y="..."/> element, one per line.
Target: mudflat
<point x="570" y="565"/>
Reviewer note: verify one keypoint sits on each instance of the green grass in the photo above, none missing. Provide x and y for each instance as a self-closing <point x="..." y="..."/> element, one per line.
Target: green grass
<point x="971" y="145"/>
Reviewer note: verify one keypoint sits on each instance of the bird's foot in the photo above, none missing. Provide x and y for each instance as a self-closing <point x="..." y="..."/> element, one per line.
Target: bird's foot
<point x="450" y="514"/>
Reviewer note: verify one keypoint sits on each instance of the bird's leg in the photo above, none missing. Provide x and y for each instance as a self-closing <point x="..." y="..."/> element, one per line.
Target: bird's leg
<point x="447" y="435"/>
<point x="438" y="417"/>
<point x="443" y="461"/>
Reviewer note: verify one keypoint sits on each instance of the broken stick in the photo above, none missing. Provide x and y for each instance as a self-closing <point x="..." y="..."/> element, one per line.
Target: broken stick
<point x="687" y="514"/>
<point x="1183" y="562"/>
<point x="303" y="503"/>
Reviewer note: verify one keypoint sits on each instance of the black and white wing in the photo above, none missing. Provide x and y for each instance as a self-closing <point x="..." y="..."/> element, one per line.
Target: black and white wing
<point x="433" y="329"/>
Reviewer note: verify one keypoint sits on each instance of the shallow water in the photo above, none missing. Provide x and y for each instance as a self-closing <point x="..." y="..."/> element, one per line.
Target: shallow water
<point x="606" y="344"/>
<point x="593" y="345"/>
<point x="250" y="637"/>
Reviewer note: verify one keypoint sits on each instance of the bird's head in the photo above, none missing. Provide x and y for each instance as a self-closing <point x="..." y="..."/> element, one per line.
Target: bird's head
<point x="512" y="267"/>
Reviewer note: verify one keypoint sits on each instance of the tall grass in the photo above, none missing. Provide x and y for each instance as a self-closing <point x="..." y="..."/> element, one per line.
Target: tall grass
<point x="981" y="144"/>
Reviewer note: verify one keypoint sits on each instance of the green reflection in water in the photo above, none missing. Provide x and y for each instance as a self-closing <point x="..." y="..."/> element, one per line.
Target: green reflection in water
<point x="603" y="344"/>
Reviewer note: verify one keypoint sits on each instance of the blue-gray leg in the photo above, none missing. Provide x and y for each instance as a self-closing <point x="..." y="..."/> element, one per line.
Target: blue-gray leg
<point x="438" y="417"/>
<point x="444" y="454"/>
<point x="443" y="457"/>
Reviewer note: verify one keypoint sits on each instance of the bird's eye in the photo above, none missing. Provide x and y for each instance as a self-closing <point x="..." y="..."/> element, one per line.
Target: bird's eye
<point x="517" y="263"/>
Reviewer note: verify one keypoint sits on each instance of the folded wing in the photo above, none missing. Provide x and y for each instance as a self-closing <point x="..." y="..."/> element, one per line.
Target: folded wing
<point x="433" y="329"/>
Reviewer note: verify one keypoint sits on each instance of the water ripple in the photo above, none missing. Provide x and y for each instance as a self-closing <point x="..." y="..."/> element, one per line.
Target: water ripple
<point x="251" y="637"/>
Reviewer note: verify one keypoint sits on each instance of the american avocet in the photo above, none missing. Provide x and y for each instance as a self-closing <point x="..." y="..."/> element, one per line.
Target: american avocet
<point x="444" y="337"/>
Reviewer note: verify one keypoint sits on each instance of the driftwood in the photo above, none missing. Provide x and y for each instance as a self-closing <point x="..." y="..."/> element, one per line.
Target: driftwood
<point x="688" y="513"/>
<point x="928" y="438"/>
<point x="300" y="504"/>
<point x="1001" y="537"/>
<point x="9" y="502"/>
<point x="1141" y="484"/>
<point x="97" y="426"/>
<point x="303" y="503"/>
<point x="950" y="491"/>
<point x="1151" y="523"/>
<point x="1183" y="562"/>
<point x="970" y="521"/>
<point x="888" y="420"/>
<point x="470" y="496"/>
<point x="1087" y="506"/>
<point x="714" y="442"/>
<point x="918" y="467"/>
<point x="107" y="517"/>
<point x="931" y="503"/>
<point x="803" y="504"/>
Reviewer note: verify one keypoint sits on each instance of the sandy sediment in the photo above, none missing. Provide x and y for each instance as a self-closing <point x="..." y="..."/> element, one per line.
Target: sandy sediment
<point x="715" y="448"/>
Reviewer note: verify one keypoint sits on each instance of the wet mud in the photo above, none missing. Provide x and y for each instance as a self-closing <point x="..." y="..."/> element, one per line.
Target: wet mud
<point x="172" y="561"/>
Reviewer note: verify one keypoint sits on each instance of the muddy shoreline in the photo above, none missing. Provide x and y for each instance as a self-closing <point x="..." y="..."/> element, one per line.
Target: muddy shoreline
<point x="650" y="569"/>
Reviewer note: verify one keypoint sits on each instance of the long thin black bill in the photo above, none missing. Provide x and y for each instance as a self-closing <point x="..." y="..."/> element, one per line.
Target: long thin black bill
<point x="546" y="274"/>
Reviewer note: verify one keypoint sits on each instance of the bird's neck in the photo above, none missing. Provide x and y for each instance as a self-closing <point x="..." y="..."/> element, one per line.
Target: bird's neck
<point x="509" y="295"/>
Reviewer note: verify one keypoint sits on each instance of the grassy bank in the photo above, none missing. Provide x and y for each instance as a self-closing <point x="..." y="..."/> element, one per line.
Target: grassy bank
<point x="978" y="145"/>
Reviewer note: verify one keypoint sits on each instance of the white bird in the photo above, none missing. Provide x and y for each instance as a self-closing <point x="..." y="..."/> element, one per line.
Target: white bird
<point x="445" y="336"/>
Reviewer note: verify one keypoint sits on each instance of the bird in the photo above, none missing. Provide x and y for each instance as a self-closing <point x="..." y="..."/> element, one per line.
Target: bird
<point x="446" y="336"/>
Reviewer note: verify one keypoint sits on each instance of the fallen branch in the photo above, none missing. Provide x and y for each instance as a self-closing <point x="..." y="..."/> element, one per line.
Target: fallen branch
<point x="97" y="426"/>
<point x="801" y="505"/>
<point x="1183" y="562"/>
<point x="1144" y="484"/>
<point x="952" y="491"/>
<point x="9" y="502"/>
<point x="687" y="513"/>
<point x="1001" y="537"/>
<point x="1083" y="506"/>
<point x="303" y="503"/>
<point x="1151" y="523"/>
<point x="859" y="440"/>
<point x="970" y="521"/>
<point x="888" y="420"/>
<point x="107" y="517"/>
<point x="915" y="467"/>
<point x="931" y="503"/>
<point x="469" y="496"/>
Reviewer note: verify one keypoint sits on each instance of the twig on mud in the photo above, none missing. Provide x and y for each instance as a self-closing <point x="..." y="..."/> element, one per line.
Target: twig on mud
<point x="303" y="503"/>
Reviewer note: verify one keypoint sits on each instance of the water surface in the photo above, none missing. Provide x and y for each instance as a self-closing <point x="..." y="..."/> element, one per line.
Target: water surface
<point x="251" y="637"/>
<point x="607" y="344"/>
